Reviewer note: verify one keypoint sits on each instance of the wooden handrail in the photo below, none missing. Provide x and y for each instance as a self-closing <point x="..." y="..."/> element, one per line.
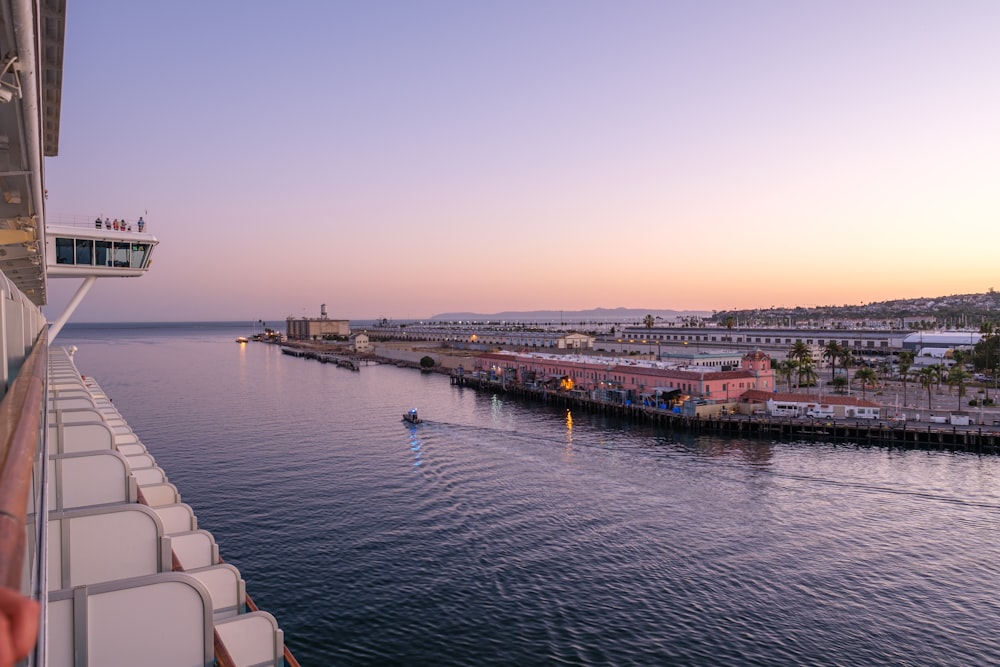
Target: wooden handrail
<point x="20" y="417"/>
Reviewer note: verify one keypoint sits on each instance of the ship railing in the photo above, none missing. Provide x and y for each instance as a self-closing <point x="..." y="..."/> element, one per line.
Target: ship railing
<point x="22" y="444"/>
<point x="88" y="222"/>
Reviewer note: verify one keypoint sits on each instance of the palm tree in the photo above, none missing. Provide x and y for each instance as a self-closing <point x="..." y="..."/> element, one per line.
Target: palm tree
<point x="831" y="353"/>
<point x="786" y="369"/>
<point x="649" y="321"/>
<point x="865" y="376"/>
<point x="846" y="359"/>
<point x="807" y="372"/>
<point x="960" y="357"/>
<point x="730" y="323"/>
<point x="800" y="352"/>
<point x="928" y="376"/>
<point x="905" y="364"/>
<point x="940" y="373"/>
<point x="958" y="376"/>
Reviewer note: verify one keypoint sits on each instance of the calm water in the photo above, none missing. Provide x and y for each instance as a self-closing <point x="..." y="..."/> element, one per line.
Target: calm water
<point x="502" y="533"/>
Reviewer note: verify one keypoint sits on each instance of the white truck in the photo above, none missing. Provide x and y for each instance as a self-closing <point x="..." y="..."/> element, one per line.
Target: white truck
<point x="819" y="411"/>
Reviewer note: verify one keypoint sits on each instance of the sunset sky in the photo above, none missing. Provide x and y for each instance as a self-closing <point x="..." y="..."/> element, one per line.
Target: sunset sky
<point x="401" y="159"/>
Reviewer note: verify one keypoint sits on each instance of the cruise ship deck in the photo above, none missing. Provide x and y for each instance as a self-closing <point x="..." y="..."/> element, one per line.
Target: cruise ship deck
<point x="132" y="579"/>
<point x="90" y="527"/>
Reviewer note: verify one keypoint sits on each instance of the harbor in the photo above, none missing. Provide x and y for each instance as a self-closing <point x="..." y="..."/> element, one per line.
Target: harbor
<point x="975" y="439"/>
<point x="374" y="541"/>
<point x="972" y="438"/>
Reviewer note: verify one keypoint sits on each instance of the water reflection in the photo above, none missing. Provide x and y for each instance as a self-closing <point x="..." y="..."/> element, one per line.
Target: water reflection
<point x="569" y="433"/>
<point x="415" y="447"/>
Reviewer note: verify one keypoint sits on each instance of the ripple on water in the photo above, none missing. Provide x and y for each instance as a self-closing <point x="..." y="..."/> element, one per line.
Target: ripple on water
<point x="504" y="533"/>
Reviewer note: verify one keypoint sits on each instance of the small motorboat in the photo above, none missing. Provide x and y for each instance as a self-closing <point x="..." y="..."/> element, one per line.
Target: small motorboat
<point x="412" y="417"/>
<point x="242" y="339"/>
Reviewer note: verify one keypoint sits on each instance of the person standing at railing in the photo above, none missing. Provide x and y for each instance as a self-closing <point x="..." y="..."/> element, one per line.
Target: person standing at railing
<point x="18" y="626"/>
<point x="97" y="223"/>
<point x="141" y="224"/>
<point x="107" y="223"/>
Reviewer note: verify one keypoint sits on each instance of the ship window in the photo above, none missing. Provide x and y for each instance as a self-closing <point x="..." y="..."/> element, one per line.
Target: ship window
<point x="64" y="251"/>
<point x="103" y="252"/>
<point x="139" y="255"/>
<point x="121" y="254"/>
<point x="84" y="251"/>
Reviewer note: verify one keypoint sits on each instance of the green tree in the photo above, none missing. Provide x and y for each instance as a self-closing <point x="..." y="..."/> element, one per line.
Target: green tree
<point x="427" y="362"/>
<point x="928" y="376"/>
<point x="960" y="357"/>
<point x="957" y="377"/>
<point x="865" y="376"/>
<point x="941" y="372"/>
<point x="786" y="369"/>
<point x="831" y="354"/>
<point x="807" y="372"/>
<point x="800" y="352"/>
<point x="839" y="384"/>
<point x="905" y="364"/>
<point x="846" y="359"/>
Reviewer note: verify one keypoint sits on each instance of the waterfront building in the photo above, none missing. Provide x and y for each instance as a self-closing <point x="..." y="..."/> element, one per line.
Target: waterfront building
<point x="305" y="328"/>
<point x="362" y="343"/>
<point x="482" y="338"/>
<point x="927" y="342"/>
<point x="775" y="341"/>
<point x="638" y="377"/>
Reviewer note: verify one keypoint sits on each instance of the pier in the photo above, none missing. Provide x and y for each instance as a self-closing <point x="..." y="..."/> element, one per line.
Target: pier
<point x="340" y="360"/>
<point x="911" y="435"/>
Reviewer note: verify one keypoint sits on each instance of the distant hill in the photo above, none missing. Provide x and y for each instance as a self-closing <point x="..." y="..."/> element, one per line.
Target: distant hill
<point x="959" y="311"/>
<point x="621" y="314"/>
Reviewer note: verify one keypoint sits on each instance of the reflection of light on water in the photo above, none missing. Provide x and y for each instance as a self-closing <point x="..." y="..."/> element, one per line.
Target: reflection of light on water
<point x="496" y="407"/>
<point x="415" y="447"/>
<point x="569" y="432"/>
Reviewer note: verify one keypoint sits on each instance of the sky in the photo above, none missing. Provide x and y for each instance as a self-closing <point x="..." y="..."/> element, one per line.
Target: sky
<point x="401" y="159"/>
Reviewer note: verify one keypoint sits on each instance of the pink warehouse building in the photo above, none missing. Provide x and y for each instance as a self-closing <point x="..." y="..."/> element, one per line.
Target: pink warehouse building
<point x="639" y="377"/>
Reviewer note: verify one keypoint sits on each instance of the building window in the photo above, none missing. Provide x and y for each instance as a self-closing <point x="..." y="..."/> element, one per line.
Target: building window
<point x="121" y="254"/>
<point x="64" y="251"/>
<point x="103" y="252"/>
<point x="139" y="251"/>
<point x="84" y="251"/>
